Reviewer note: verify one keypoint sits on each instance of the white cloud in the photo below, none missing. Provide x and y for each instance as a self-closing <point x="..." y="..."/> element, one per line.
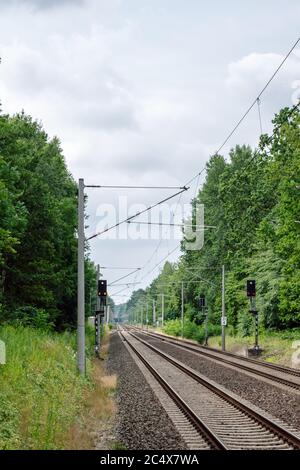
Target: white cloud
<point x="252" y="72"/>
<point x="141" y="94"/>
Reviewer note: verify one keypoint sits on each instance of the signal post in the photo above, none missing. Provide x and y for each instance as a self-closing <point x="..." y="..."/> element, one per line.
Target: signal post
<point x="251" y="294"/>
<point x="100" y="312"/>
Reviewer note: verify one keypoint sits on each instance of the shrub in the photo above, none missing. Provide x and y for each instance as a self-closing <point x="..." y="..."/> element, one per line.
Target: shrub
<point x="191" y="330"/>
<point x="32" y="316"/>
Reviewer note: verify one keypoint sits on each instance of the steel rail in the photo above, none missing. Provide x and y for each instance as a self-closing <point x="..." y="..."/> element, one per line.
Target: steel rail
<point x="278" y="430"/>
<point x="208" y="352"/>
<point x="209" y="436"/>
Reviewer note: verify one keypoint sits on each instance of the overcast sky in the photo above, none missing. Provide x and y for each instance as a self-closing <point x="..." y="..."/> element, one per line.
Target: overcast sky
<point x="143" y="91"/>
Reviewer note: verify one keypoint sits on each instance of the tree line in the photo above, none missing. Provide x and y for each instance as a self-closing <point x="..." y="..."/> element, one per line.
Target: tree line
<point x="38" y="222"/>
<point x="254" y="201"/>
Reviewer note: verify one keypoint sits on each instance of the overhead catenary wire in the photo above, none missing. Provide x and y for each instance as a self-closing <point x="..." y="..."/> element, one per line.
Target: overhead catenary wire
<point x="200" y="279"/>
<point x="165" y="257"/>
<point x="291" y="111"/>
<point x="118" y="267"/>
<point x="160" y="241"/>
<point x="255" y="155"/>
<point x="256" y="100"/>
<point x="173" y="215"/>
<point x="258" y="96"/>
<point x="123" y="277"/>
<point x="119" y="291"/>
<point x="124" y="284"/>
<point x="250" y="107"/>
<point x="170" y="224"/>
<point x="143" y="277"/>
<point x="196" y="176"/>
<point x="137" y="214"/>
<point x="132" y="187"/>
<point x="120" y="295"/>
<point x="177" y="247"/>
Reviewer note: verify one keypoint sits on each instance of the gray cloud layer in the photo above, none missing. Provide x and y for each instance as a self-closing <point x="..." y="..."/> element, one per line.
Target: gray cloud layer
<point x="143" y="92"/>
<point x="41" y="4"/>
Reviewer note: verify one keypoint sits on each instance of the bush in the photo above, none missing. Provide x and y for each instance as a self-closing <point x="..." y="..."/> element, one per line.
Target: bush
<point x="173" y="327"/>
<point x="191" y="330"/>
<point x="245" y="323"/>
<point x="33" y="317"/>
<point x="292" y="334"/>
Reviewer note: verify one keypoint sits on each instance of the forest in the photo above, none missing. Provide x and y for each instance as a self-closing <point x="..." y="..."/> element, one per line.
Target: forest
<point x="38" y="220"/>
<point x="253" y="200"/>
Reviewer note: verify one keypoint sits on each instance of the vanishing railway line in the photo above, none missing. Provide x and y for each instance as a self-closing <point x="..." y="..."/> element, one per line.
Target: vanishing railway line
<point x="273" y="372"/>
<point x="221" y="419"/>
<point x="205" y="439"/>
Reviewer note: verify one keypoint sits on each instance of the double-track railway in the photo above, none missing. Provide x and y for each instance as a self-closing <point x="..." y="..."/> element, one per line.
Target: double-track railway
<point x="220" y="419"/>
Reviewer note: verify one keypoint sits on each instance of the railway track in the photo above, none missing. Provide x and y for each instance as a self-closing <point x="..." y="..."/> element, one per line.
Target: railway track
<point x="222" y="420"/>
<point x="204" y="437"/>
<point x="273" y="372"/>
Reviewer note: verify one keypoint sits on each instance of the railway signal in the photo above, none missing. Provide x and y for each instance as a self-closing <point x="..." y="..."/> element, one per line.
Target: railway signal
<point x="202" y="301"/>
<point x="251" y="288"/>
<point x="102" y="288"/>
<point x="251" y="294"/>
<point x="202" y="306"/>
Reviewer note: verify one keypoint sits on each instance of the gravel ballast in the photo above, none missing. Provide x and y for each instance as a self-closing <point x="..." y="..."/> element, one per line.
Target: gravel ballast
<point x="142" y="423"/>
<point x="278" y="402"/>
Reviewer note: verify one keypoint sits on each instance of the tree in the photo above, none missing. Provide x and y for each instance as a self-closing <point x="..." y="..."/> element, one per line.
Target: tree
<point x="38" y="201"/>
<point x="254" y="202"/>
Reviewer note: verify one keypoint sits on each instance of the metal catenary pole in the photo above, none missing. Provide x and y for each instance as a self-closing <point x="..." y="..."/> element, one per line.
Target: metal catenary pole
<point x="142" y="317"/>
<point x="206" y="325"/>
<point x="98" y="316"/>
<point x="223" y="309"/>
<point x="147" y="314"/>
<point x="80" y="280"/>
<point x="182" y="309"/>
<point x="162" y="309"/>
<point x="154" y="314"/>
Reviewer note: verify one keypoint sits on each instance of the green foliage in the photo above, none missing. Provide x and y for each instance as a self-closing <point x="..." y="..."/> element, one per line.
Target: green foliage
<point x="254" y="202"/>
<point x="9" y="423"/>
<point x="41" y="391"/>
<point x="190" y="330"/>
<point x="38" y="219"/>
<point x="31" y="316"/>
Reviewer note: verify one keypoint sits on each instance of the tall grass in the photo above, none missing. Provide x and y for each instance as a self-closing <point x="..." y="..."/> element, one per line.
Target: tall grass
<point x="41" y="393"/>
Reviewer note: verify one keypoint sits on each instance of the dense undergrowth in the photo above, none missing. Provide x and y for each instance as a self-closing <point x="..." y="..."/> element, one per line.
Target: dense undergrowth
<point x="190" y="329"/>
<point x="41" y="393"/>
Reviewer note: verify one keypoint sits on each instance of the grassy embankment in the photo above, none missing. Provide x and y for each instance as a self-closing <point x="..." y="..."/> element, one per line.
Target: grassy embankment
<point x="279" y="347"/>
<point x="44" y="403"/>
